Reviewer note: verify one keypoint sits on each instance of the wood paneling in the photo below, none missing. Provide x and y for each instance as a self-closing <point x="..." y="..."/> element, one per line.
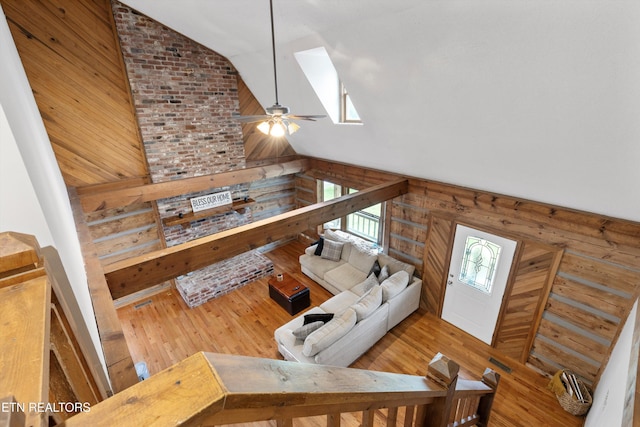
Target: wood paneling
<point x="73" y="62"/>
<point x="525" y="299"/>
<point x="589" y="301"/>
<point x="273" y="196"/>
<point x="437" y="254"/>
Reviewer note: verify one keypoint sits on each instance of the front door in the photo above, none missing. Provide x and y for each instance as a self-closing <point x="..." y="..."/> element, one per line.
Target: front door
<point x="478" y="274"/>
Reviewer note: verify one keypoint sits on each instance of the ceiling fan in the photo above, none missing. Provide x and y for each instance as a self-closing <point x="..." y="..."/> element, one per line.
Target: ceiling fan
<point x="277" y="122"/>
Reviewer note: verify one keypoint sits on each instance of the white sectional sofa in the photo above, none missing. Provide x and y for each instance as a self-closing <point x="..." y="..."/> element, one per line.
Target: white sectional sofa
<point x="364" y="308"/>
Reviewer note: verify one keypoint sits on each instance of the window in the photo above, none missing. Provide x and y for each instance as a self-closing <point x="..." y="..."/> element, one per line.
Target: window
<point x="365" y="223"/>
<point x="323" y="77"/>
<point x="479" y="263"/>
<point x="348" y="113"/>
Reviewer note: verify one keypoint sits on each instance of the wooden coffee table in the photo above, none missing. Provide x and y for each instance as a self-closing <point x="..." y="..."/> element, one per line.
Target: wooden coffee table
<point x="290" y="294"/>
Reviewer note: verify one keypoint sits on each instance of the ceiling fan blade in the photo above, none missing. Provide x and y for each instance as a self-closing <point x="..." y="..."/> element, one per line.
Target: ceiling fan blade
<point x="251" y="119"/>
<point x="305" y="117"/>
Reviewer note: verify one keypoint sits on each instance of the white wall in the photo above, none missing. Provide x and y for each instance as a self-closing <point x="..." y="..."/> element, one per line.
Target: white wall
<point x="609" y="396"/>
<point x="20" y="210"/>
<point x="26" y="150"/>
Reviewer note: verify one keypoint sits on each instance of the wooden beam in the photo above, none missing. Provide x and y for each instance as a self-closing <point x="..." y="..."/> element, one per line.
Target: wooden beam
<point x="95" y="198"/>
<point x="24" y="345"/>
<point x="120" y="367"/>
<point x="156" y="267"/>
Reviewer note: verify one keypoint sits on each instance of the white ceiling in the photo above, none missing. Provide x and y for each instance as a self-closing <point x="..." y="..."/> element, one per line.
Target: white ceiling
<point x="531" y="98"/>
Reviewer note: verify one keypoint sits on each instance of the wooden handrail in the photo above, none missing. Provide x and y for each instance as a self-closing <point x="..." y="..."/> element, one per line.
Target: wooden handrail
<point x="217" y="389"/>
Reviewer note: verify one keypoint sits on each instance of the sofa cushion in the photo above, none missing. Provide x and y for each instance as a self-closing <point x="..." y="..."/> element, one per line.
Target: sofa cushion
<point x="333" y="330"/>
<point x="339" y="303"/>
<point x="303" y="331"/>
<point x="395" y="265"/>
<point x="362" y="260"/>
<point x="318" y="265"/>
<point x="394" y="285"/>
<point x="368" y="303"/>
<point x="363" y="287"/>
<point x="332" y="250"/>
<point x="345" y="276"/>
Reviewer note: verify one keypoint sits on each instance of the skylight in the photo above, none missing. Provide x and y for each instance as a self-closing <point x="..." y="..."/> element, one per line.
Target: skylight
<point x="323" y="77"/>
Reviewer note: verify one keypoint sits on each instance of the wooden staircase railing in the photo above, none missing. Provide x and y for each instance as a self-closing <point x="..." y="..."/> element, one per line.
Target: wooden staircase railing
<point x="218" y="389"/>
<point x="43" y="382"/>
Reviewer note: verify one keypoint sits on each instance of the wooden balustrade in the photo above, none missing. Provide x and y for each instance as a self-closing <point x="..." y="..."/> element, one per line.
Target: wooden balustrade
<point x="217" y="389"/>
<point x="40" y="358"/>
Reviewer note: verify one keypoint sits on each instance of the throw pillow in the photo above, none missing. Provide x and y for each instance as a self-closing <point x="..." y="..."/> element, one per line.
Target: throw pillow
<point x="362" y="288"/>
<point x="315" y="317"/>
<point x="368" y="303"/>
<point x="303" y="331"/>
<point x="394" y="285"/>
<point x="332" y="331"/>
<point x="375" y="269"/>
<point x="332" y="250"/>
<point x="320" y="244"/>
<point x="384" y="274"/>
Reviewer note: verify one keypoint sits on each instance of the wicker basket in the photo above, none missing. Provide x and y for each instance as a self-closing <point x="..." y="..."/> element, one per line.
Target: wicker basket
<point x="567" y="401"/>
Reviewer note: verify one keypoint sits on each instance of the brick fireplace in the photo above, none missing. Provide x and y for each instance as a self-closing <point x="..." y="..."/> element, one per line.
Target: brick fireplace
<point x="184" y="96"/>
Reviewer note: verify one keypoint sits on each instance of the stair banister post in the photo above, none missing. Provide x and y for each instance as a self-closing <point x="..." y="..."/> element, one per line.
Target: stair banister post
<point x="443" y="371"/>
<point x="490" y="378"/>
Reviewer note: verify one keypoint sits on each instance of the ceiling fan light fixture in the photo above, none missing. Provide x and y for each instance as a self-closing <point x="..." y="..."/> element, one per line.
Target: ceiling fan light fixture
<point x="277" y="127"/>
<point x="264" y="127"/>
<point x="292" y="128"/>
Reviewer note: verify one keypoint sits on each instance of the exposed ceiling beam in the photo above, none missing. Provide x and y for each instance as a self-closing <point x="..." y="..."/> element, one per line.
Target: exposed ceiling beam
<point x="94" y="198"/>
<point x="134" y="274"/>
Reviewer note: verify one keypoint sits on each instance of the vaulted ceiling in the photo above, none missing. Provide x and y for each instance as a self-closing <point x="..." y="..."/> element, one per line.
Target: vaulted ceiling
<point x="535" y="99"/>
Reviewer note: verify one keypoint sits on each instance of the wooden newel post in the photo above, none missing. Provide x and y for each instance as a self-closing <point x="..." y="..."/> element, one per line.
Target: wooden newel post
<point x="444" y="371"/>
<point x="490" y="378"/>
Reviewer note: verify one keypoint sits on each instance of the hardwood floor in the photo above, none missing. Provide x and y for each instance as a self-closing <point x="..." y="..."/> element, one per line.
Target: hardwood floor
<point x="162" y="330"/>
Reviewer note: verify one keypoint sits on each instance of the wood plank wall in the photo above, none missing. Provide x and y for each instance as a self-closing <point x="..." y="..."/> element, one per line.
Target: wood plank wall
<point x="577" y="275"/>
<point x="72" y="59"/>
<point x="126" y="232"/>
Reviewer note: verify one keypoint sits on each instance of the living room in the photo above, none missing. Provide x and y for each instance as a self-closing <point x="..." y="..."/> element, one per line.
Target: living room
<point x="597" y="248"/>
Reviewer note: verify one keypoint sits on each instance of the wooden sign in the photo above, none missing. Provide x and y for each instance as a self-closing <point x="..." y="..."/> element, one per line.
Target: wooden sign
<point x="211" y="201"/>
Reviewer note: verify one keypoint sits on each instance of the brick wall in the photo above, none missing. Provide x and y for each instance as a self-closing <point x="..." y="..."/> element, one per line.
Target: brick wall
<point x="184" y="96"/>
